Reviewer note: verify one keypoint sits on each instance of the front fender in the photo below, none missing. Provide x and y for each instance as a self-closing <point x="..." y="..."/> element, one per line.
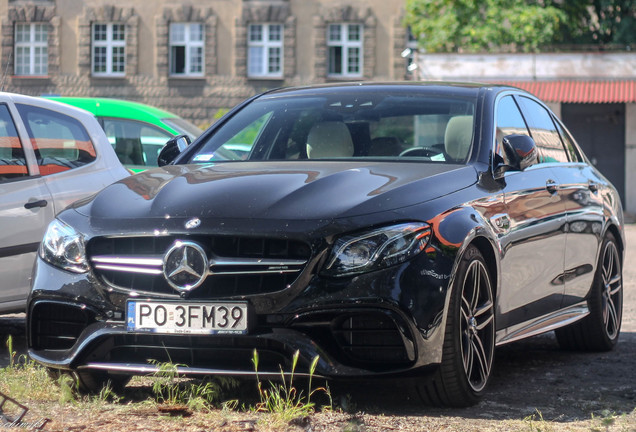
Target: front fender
<point x="455" y="230"/>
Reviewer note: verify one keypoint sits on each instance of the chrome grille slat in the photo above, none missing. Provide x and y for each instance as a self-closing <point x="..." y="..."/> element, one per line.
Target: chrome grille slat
<point x="129" y="264"/>
<point x="129" y="269"/>
<point x="256" y="262"/>
<point x="150" y="261"/>
<point x="229" y="266"/>
<point x="253" y="272"/>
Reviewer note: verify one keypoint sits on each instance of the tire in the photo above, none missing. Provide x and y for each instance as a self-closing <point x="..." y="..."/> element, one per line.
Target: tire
<point x="91" y="382"/>
<point x="469" y="340"/>
<point x="599" y="330"/>
<point x="94" y="382"/>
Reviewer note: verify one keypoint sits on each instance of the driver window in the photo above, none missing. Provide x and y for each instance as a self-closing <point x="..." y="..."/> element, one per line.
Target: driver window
<point x="543" y="131"/>
<point x="509" y="122"/>
<point x="239" y="146"/>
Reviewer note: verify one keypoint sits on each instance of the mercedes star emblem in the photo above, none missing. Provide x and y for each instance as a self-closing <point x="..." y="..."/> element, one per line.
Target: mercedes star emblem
<point x="185" y="265"/>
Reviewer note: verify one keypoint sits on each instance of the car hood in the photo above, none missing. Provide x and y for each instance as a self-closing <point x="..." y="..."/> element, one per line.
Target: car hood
<point x="292" y="191"/>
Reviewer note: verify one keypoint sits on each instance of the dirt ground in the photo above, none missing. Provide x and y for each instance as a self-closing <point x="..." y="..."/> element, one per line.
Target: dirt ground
<point x="535" y="387"/>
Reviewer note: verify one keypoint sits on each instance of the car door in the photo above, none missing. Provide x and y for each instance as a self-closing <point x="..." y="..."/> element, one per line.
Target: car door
<point x="26" y="207"/>
<point x="65" y="154"/>
<point x="578" y="185"/>
<point x="582" y="185"/>
<point x="532" y="234"/>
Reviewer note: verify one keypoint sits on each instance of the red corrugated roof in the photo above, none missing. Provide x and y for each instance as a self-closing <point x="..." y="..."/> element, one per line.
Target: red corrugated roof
<point x="623" y="91"/>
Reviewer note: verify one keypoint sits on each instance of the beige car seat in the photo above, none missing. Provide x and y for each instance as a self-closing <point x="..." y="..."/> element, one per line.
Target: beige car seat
<point x="330" y="139"/>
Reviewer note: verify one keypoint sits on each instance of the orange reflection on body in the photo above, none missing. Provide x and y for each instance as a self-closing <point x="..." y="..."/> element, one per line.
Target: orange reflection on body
<point x="435" y="224"/>
<point x="47" y="144"/>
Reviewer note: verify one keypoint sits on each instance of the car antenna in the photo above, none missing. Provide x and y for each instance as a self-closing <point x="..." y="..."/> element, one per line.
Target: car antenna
<point x="6" y="70"/>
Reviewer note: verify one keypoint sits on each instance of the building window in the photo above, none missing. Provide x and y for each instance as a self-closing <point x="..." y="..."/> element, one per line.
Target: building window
<point x="109" y="50"/>
<point x="265" y="50"/>
<point x="186" y="49"/>
<point x="345" y="49"/>
<point x="31" y="49"/>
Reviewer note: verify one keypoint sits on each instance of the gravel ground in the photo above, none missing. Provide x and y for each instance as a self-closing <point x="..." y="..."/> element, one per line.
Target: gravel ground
<point x="535" y="387"/>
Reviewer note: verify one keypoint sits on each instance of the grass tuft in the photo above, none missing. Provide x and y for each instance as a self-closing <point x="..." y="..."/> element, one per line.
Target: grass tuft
<point x="12" y="352"/>
<point x="536" y="423"/>
<point x="67" y="389"/>
<point x="283" y="399"/>
<point x="28" y="381"/>
<point x="169" y="387"/>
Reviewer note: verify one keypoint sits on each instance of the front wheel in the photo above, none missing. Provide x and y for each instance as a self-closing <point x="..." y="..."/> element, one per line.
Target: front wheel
<point x="90" y="382"/>
<point x="600" y="329"/>
<point x="469" y="342"/>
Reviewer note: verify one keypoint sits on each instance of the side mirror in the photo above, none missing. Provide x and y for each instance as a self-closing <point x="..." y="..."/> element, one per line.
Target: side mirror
<point x="521" y="153"/>
<point x="173" y="148"/>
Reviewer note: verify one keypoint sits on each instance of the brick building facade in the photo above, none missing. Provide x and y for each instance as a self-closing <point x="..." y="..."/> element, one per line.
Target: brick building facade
<point x="198" y="56"/>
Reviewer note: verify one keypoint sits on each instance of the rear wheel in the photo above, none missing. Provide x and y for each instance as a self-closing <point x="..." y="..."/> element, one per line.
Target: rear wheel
<point x="600" y="329"/>
<point x="469" y="341"/>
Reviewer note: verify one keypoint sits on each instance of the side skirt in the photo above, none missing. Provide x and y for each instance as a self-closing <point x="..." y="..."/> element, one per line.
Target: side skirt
<point x="543" y="324"/>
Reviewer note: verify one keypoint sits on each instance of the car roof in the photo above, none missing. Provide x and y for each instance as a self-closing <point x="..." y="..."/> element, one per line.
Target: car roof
<point x="118" y="108"/>
<point x="77" y="112"/>
<point x="458" y="88"/>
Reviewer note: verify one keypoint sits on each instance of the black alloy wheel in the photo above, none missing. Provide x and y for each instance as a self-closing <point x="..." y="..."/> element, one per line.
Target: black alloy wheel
<point x="469" y="342"/>
<point x="599" y="330"/>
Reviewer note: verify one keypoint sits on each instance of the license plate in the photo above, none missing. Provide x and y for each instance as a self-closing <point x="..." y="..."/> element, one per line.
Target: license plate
<point x="187" y="318"/>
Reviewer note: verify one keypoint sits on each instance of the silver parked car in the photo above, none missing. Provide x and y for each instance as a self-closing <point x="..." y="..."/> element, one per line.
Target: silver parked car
<point x="51" y="155"/>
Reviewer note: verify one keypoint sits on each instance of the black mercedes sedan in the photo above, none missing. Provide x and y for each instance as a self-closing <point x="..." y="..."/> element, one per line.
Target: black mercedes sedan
<point x="392" y="230"/>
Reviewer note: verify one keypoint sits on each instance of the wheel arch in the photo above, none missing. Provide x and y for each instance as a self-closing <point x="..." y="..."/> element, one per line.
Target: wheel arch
<point x="487" y="250"/>
<point x="616" y="232"/>
<point x="466" y="226"/>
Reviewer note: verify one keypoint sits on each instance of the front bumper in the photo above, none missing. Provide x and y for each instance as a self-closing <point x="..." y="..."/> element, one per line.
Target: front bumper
<point x="385" y="323"/>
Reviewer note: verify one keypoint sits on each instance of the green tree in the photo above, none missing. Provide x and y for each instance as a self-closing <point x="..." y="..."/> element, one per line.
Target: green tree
<point x="520" y="25"/>
<point x="484" y="26"/>
<point x="605" y="23"/>
<point x="613" y="21"/>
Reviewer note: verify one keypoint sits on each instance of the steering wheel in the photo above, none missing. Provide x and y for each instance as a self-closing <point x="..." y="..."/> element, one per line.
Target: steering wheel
<point x="419" y="151"/>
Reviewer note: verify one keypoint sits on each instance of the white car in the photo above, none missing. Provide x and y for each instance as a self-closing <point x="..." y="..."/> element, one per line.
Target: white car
<point x="51" y="154"/>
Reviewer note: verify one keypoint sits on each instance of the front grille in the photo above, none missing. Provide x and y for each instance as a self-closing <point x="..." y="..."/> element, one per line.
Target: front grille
<point x="56" y="326"/>
<point x="237" y="265"/>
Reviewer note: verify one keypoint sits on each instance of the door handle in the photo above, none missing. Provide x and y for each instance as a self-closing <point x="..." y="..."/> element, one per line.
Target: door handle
<point x="501" y="221"/>
<point x="551" y="186"/>
<point x="593" y="186"/>
<point x="34" y="204"/>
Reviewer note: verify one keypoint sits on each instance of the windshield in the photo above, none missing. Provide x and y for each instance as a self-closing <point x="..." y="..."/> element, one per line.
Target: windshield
<point x="183" y="126"/>
<point x="341" y="126"/>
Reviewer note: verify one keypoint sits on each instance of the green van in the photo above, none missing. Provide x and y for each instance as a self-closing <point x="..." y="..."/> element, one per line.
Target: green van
<point x="136" y="131"/>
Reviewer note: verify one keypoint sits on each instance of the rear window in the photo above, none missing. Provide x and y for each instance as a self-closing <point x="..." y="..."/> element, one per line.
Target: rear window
<point x="60" y="142"/>
<point x="12" y="160"/>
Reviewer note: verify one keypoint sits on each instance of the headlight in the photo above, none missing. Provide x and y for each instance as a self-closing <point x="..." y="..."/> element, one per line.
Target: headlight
<point x="376" y="249"/>
<point x="63" y="247"/>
